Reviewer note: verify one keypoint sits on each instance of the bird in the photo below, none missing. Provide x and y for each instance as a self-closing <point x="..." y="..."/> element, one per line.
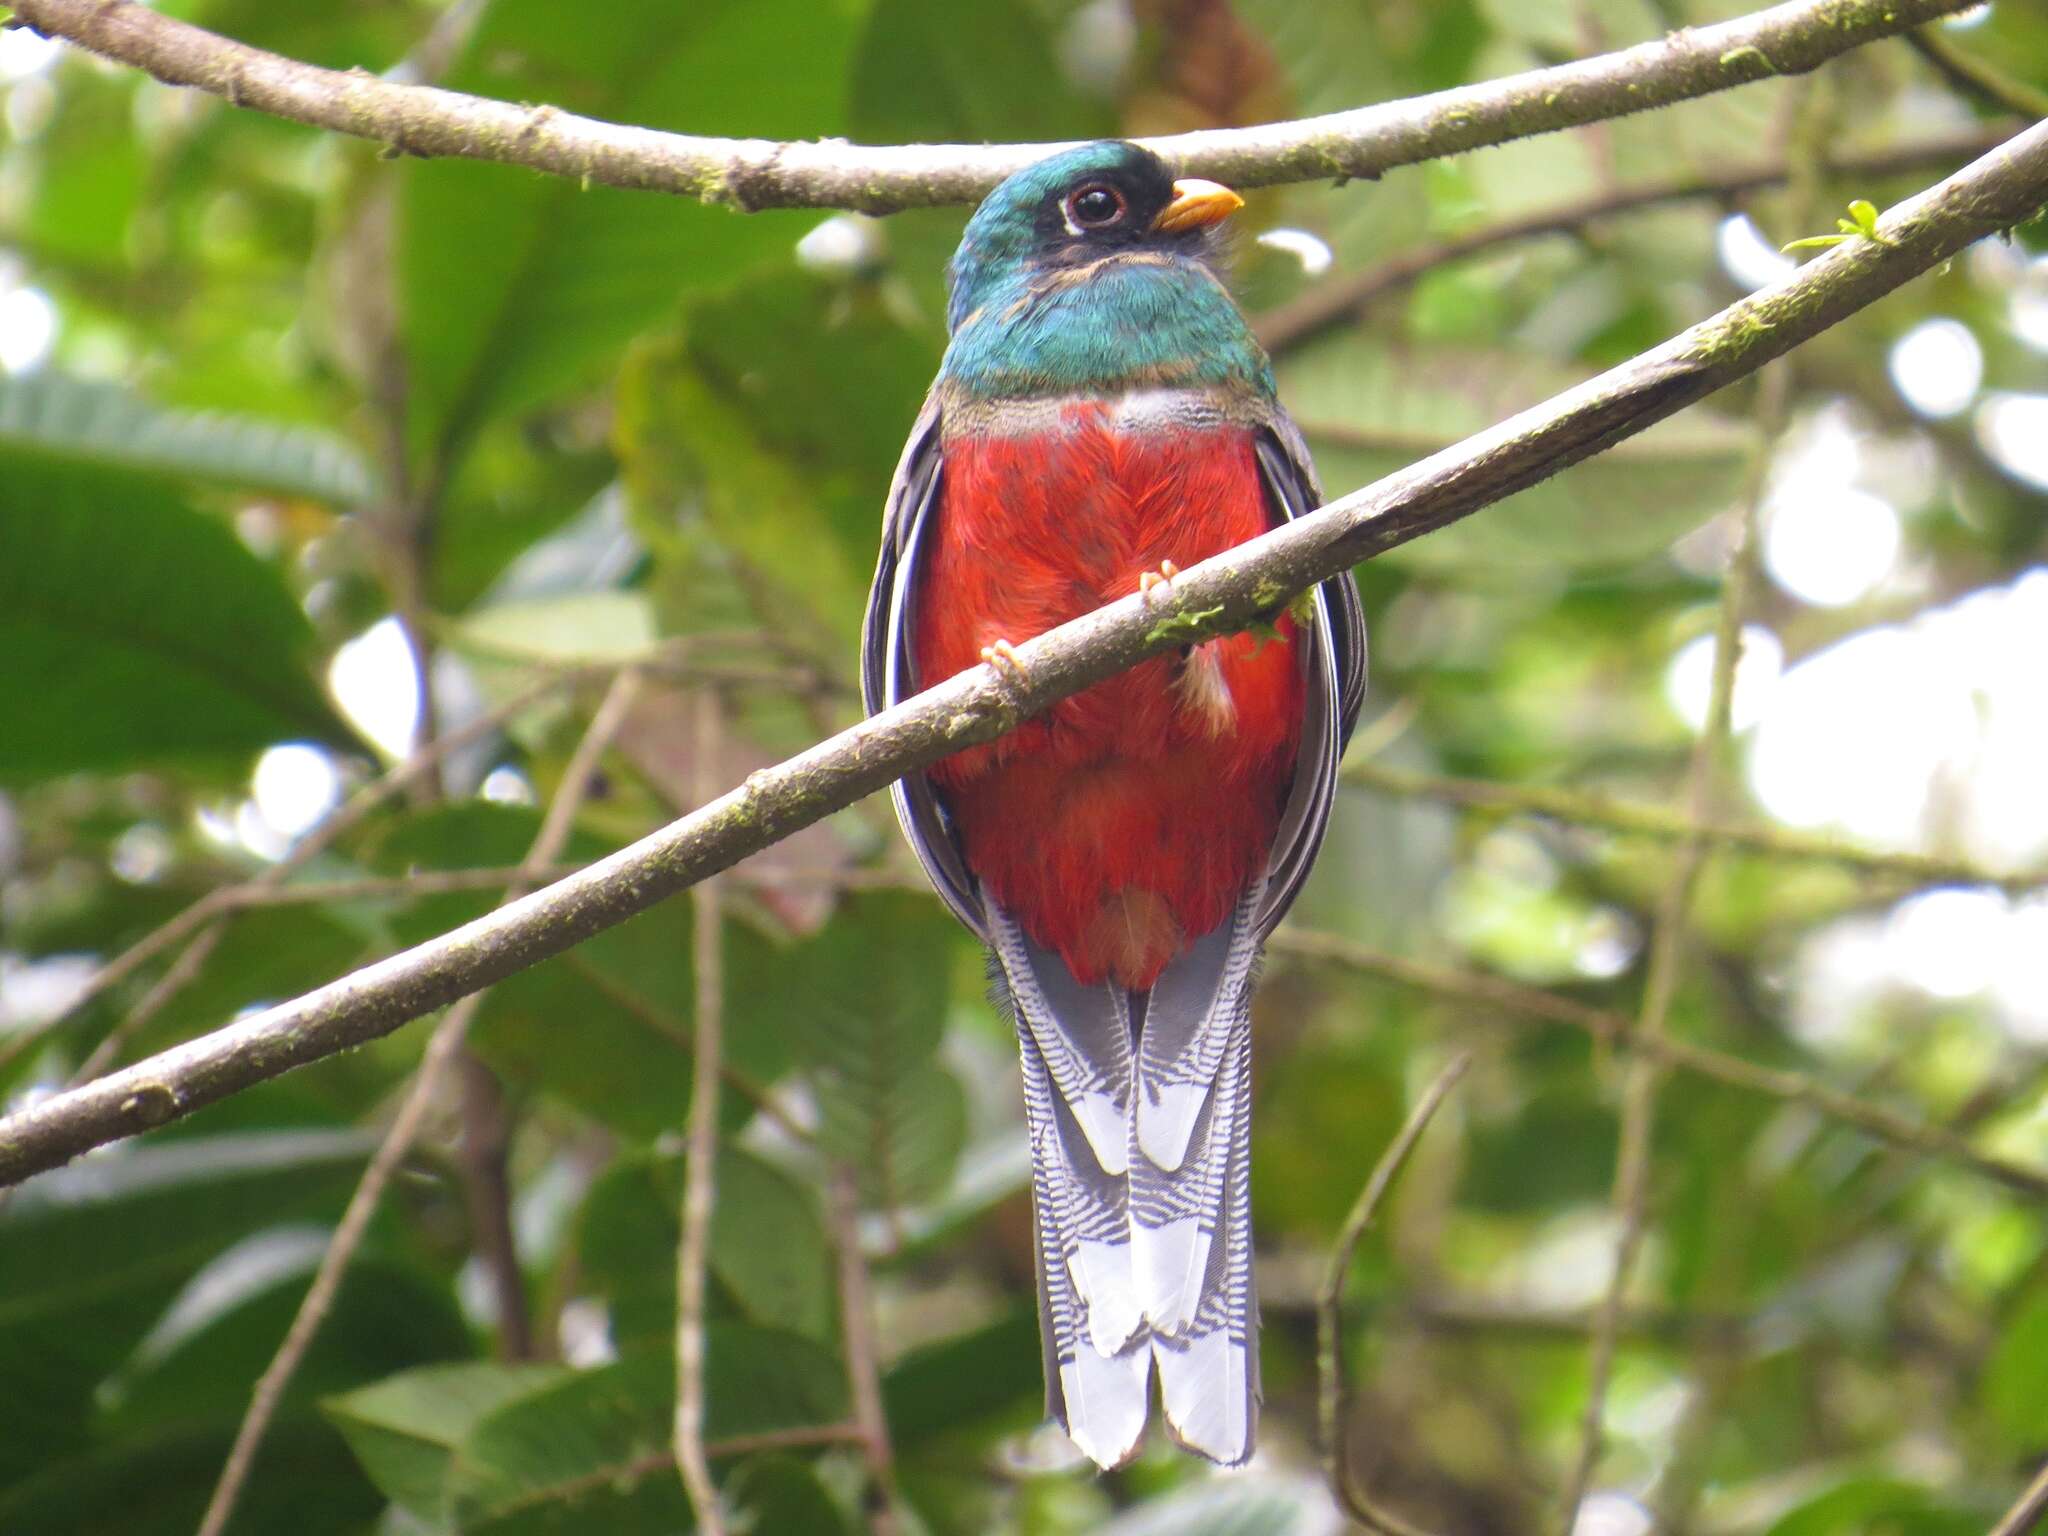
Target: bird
<point x="1102" y="417"/>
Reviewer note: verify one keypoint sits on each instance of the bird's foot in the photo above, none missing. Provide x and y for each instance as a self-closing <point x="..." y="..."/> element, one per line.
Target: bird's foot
<point x="1150" y="582"/>
<point x="1003" y="660"/>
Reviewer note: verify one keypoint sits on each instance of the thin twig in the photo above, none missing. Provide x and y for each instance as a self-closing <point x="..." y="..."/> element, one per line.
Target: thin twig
<point x="1330" y="1402"/>
<point x="1506" y="1001"/>
<point x="442" y="1048"/>
<point x="1979" y="77"/>
<point x="2026" y="1515"/>
<point x="1646" y="1070"/>
<point x="1221" y="595"/>
<point x="751" y="174"/>
<point x="1580" y="808"/>
<point x="863" y="1365"/>
<point x="343" y="819"/>
<point x="176" y="977"/>
<point x="1341" y="298"/>
<point x="701" y="1158"/>
<point x="487" y="1188"/>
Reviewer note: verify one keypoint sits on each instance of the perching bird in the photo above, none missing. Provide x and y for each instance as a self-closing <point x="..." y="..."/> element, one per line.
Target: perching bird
<point x="1103" y="416"/>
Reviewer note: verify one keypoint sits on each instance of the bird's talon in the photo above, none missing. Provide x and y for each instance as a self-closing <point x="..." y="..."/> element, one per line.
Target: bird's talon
<point x="1002" y="657"/>
<point x="1150" y="581"/>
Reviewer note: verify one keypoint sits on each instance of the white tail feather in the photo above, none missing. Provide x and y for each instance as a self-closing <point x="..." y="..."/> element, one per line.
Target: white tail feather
<point x="1205" y="1388"/>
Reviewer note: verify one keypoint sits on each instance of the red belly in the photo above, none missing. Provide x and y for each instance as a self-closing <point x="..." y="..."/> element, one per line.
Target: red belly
<point x="1128" y="819"/>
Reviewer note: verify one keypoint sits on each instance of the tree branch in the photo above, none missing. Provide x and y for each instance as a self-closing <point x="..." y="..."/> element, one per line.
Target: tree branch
<point x="2027" y="1513"/>
<point x="1507" y="1000"/>
<point x="1645" y="1069"/>
<point x="751" y="174"/>
<point x="1219" y="596"/>
<point x="1340" y="298"/>
<point x="1330" y="1406"/>
<point x="1581" y="808"/>
<point x="700" y="1165"/>
<point x="443" y="1048"/>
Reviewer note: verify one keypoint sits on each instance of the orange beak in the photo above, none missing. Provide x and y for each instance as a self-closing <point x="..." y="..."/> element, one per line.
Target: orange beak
<point x="1196" y="204"/>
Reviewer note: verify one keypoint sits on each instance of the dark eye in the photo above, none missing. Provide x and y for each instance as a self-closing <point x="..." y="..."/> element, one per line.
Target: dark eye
<point x="1096" y="207"/>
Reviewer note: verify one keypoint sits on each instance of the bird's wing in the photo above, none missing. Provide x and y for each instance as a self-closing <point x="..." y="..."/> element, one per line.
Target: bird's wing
<point x="1334" y="671"/>
<point x="888" y="671"/>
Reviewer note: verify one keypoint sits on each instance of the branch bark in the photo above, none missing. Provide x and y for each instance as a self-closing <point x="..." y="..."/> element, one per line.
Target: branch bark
<point x="1341" y="298"/>
<point x="1219" y="596"/>
<point x="752" y="174"/>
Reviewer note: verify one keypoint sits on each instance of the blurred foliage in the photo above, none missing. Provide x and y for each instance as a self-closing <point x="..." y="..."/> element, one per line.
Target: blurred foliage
<point x="296" y="386"/>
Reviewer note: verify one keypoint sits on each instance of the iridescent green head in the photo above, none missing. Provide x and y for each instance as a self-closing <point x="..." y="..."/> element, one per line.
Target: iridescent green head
<point x="1092" y="270"/>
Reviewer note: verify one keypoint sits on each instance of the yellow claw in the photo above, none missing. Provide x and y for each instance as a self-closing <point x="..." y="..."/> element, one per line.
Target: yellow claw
<point x="1002" y="657"/>
<point x="1151" y="581"/>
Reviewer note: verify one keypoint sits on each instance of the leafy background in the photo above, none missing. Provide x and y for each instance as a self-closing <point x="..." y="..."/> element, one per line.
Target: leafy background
<point x="266" y="390"/>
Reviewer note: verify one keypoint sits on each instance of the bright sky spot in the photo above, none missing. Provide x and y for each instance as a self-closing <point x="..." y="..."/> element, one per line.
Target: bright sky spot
<point x="375" y="686"/>
<point x="1612" y="1514"/>
<point x="29" y="106"/>
<point x="845" y="243"/>
<point x="295" y="785"/>
<point x="1975" y="16"/>
<point x="506" y="785"/>
<point x="1096" y="45"/>
<point x="1747" y="257"/>
<point x="1946" y="942"/>
<point x="2013" y="429"/>
<point x="1937" y="367"/>
<point x="1829" y="545"/>
<point x="1907" y="732"/>
<point x="258" y="836"/>
<point x="2021" y="984"/>
<point x="142" y="854"/>
<point x="24" y="53"/>
<point x="2027" y="308"/>
<point x="33" y="991"/>
<point x="1312" y="251"/>
<point x="1689" y="682"/>
<point x="28" y="326"/>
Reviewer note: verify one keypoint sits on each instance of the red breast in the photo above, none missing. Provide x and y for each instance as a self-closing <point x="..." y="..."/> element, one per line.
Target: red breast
<point x="1128" y="819"/>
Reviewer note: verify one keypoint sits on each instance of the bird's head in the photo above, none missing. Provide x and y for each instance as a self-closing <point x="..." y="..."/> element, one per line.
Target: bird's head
<point x="1074" y="209"/>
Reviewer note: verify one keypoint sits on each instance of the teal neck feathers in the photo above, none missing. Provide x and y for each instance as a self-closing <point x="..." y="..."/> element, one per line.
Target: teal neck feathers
<point x="1041" y="308"/>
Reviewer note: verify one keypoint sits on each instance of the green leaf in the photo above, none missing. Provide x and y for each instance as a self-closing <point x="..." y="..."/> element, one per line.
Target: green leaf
<point x="69" y="1317"/>
<point x="785" y="445"/>
<point x="157" y="1485"/>
<point x="864" y="1006"/>
<point x="1872" y="1504"/>
<point x="768" y="1249"/>
<point x="168" y="1206"/>
<point x="166" y="639"/>
<point x="515" y="287"/>
<point x="782" y="1495"/>
<point x="2013" y="1376"/>
<point x="929" y="71"/>
<point x="938" y="1388"/>
<point x="404" y="1429"/>
<point x="1253" y="1504"/>
<point x="1370" y="410"/>
<point x="573" y="629"/>
<point x="625" y="1060"/>
<point x="222" y="1331"/>
<point x="591" y="1452"/>
<point x="84" y="419"/>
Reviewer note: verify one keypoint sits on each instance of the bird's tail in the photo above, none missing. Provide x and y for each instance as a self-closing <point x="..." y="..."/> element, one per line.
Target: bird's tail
<point x="1138" y="1109"/>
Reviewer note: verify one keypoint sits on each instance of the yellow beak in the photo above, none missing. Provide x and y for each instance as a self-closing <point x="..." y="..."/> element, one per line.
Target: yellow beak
<point x="1196" y="204"/>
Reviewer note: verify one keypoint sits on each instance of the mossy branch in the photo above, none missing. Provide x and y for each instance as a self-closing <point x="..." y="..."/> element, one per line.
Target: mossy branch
<point x="751" y="174"/>
<point x="1991" y="194"/>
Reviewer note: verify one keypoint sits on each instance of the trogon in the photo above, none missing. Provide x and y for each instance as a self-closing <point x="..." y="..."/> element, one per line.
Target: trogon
<point x="1102" y="417"/>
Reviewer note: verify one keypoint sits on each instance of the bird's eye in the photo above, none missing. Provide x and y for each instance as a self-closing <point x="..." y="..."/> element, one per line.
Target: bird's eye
<point x="1096" y="207"/>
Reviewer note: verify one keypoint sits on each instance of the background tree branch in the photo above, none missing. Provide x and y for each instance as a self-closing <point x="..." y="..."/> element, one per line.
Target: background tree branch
<point x="753" y="174"/>
<point x="1218" y="596"/>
